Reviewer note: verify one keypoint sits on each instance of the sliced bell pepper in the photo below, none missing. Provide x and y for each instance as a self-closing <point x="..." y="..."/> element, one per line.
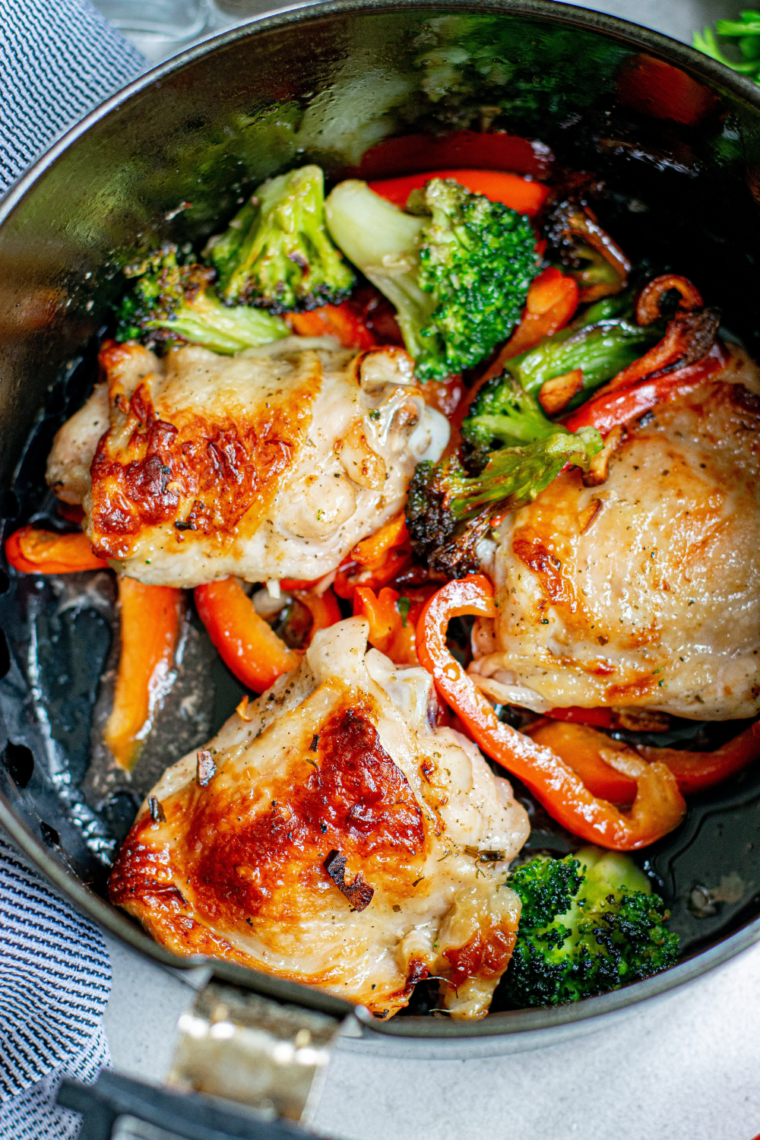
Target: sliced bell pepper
<point x="150" y="617"/>
<point x="574" y="714"/>
<point x="324" y="608"/>
<point x="392" y="620"/>
<point x="658" y="807"/>
<point x="35" y="551"/>
<point x="612" y="408"/>
<point x="372" y="550"/>
<point x="341" y="321"/>
<point x="696" y="771"/>
<point x="497" y="185"/>
<point x="247" y="644"/>
<point x="491" y="150"/>
<point x="582" y="749"/>
<point x="550" y="305"/>
<point x="375" y="560"/>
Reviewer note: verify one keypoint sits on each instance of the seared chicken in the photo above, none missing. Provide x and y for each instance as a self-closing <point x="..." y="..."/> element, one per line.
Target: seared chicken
<point x="643" y="592"/>
<point x="271" y="464"/>
<point x="335" y="838"/>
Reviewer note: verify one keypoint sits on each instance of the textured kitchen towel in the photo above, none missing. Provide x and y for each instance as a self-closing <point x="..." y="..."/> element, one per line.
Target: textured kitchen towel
<point x="55" y="979"/>
<point x="58" y="60"/>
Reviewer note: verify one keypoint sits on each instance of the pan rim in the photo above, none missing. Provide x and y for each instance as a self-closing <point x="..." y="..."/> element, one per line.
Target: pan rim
<point x="522" y="1029"/>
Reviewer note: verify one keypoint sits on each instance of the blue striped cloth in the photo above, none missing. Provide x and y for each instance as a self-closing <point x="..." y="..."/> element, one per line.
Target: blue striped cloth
<point x="55" y="979"/>
<point x="58" y="60"/>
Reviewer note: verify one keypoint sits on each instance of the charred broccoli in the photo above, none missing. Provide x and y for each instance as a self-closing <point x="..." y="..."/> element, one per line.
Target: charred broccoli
<point x="276" y="252"/>
<point x="449" y="510"/>
<point x="170" y="301"/>
<point x="457" y="267"/>
<point x="589" y="924"/>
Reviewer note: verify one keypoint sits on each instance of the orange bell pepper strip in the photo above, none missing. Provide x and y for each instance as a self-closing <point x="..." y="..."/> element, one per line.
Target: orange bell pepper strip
<point x="324" y="608"/>
<point x="658" y="806"/>
<point x="150" y="618"/>
<point x="550" y="305"/>
<point x="246" y="643"/>
<point x="35" y="551"/>
<point x="392" y="620"/>
<point x="696" y="771"/>
<point x="371" y="551"/>
<point x="375" y="560"/>
<point x="381" y="611"/>
<point x="341" y="321"/>
<point x="583" y="749"/>
<point x="611" y="408"/>
<point x="497" y="185"/>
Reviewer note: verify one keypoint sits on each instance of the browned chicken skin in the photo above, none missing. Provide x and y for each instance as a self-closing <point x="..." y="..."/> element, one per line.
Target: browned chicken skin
<point x="271" y="464"/>
<point x="643" y="592"/>
<point x="339" y="841"/>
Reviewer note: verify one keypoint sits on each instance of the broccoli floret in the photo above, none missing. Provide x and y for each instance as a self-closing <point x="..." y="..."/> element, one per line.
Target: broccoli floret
<point x="170" y="301"/>
<point x="589" y="924"/>
<point x="449" y="510"/>
<point x="276" y="252"/>
<point x="504" y="411"/>
<point x="457" y="267"/>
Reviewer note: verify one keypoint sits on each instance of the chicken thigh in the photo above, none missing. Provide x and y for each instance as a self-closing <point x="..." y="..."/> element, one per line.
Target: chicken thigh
<point x="643" y="592"/>
<point x="271" y="464"/>
<point x="335" y="838"/>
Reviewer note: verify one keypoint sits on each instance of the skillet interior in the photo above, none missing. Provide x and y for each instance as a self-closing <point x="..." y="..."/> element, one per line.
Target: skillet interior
<point x="681" y="158"/>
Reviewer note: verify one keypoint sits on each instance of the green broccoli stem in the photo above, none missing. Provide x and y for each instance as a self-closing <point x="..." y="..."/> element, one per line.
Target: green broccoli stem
<point x="207" y="322"/>
<point x="601" y="350"/>
<point x="383" y="242"/>
<point x="514" y="476"/>
<point x="505" y="412"/>
<point x="276" y="252"/>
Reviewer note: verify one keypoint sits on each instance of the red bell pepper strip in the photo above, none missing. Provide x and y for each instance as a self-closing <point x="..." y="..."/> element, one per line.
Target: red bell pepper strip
<point x="574" y="714"/>
<point x="247" y="644"/>
<point x="675" y="344"/>
<point x="341" y="321"/>
<point x="35" y="551"/>
<point x="497" y="185"/>
<point x="611" y="408"/>
<point x="696" y="771"/>
<point x="492" y="150"/>
<point x="150" y="617"/>
<point x="658" y="807"/>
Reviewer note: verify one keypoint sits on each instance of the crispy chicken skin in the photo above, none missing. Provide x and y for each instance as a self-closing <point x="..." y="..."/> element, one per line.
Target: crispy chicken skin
<point x="643" y="592"/>
<point x="340" y="842"/>
<point x="268" y="465"/>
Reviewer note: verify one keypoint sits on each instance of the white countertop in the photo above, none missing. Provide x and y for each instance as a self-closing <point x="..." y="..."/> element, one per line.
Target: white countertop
<point x="685" y="1066"/>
